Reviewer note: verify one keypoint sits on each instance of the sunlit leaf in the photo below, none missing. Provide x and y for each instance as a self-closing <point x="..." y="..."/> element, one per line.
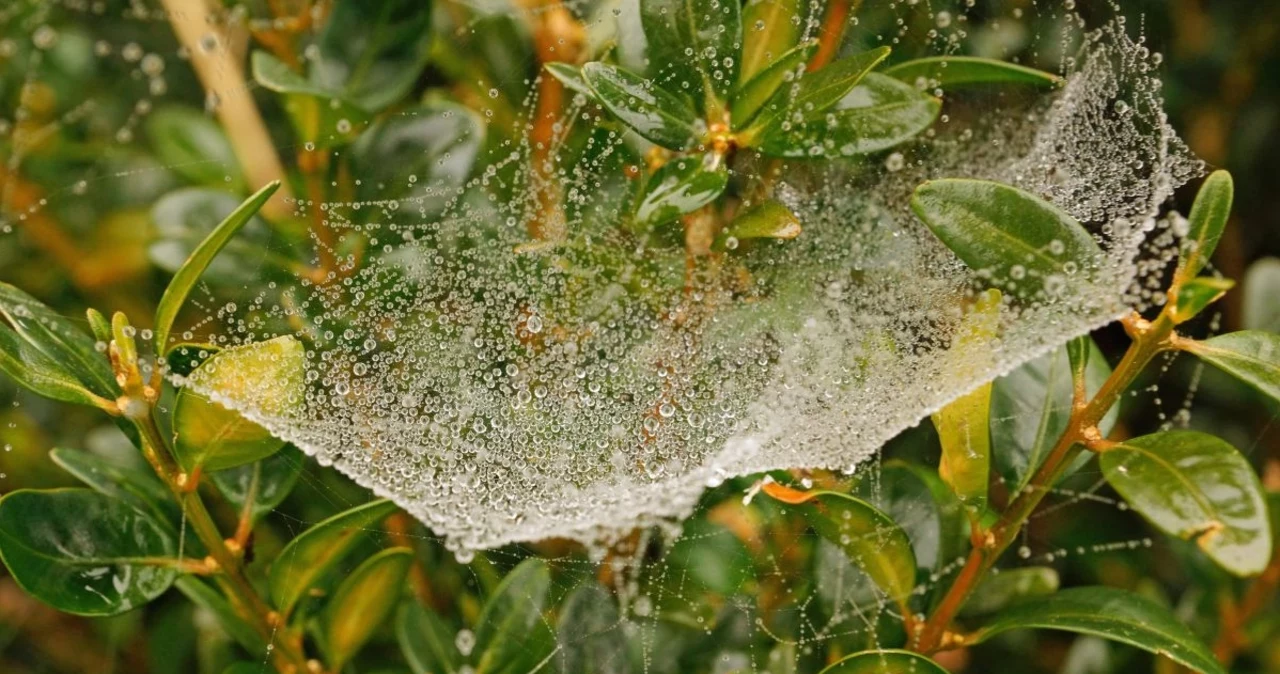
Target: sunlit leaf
<point x="770" y="29"/>
<point x="1252" y="356"/>
<point x="1208" y="219"/>
<point x="363" y="601"/>
<point x="310" y="557"/>
<point x="1112" y="614"/>
<point x="959" y="71"/>
<point x="84" y="552"/>
<point x="265" y="376"/>
<point x="885" y="662"/>
<point x="1195" y="486"/>
<point x="175" y="295"/>
<point x="681" y="186"/>
<point x="1026" y="245"/>
<point x="652" y="111"/>
<point x="1196" y="294"/>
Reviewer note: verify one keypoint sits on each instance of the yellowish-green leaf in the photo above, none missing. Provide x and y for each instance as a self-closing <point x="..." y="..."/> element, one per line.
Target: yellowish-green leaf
<point x="363" y="602"/>
<point x="765" y="220"/>
<point x="964" y="423"/>
<point x="1208" y="219"/>
<point x="1193" y="296"/>
<point x="266" y="377"/>
<point x="770" y="28"/>
<point x="755" y="92"/>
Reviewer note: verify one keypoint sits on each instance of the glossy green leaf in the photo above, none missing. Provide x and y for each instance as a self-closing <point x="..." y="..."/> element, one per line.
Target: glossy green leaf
<point x="1197" y="487"/>
<point x="765" y="220"/>
<point x="426" y="152"/>
<point x="264" y="376"/>
<point x="652" y="111"/>
<point x="1027" y="246"/>
<point x="694" y="47"/>
<point x="311" y="555"/>
<point x="959" y="71"/>
<point x="363" y="601"/>
<point x="1196" y="294"/>
<point x="193" y="145"/>
<point x="84" y="552"/>
<point x="814" y="93"/>
<point x="571" y="77"/>
<point x="999" y="590"/>
<point x="870" y="538"/>
<point x="511" y="634"/>
<point x="98" y="325"/>
<point x="885" y="662"/>
<point x="757" y="91"/>
<point x="212" y="601"/>
<point x="32" y="369"/>
<point x="876" y="115"/>
<point x="590" y="633"/>
<point x="59" y="339"/>
<point x="1030" y="408"/>
<point x="770" y="29"/>
<point x="1112" y="614"/>
<point x="185" y="278"/>
<point x="142" y="490"/>
<point x="1208" y="218"/>
<point x="371" y="53"/>
<point x="963" y="424"/>
<point x="1252" y="356"/>
<point x="681" y="186"/>
<point x="426" y="641"/>
<point x="263" y="484"/>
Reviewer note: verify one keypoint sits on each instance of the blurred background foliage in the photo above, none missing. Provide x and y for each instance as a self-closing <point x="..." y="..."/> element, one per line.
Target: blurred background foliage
<point x="87" y="96"/>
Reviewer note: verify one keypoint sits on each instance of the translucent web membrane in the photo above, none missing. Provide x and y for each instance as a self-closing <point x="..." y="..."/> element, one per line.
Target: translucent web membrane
<point x="504" y="388"/>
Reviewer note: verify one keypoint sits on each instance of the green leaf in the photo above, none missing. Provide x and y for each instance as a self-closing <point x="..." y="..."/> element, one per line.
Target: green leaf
<point x="511" y="634"/>
<point x="695" y="47"/>
<point x="185" y="217"/>
<point x="964" y="424"/>
<point x="83" y="552"/>
<point x="590" y="633"/>
<point x="765" y="220"/>
<point x="757" y="91"/>
<point x="876" y="115"/>
<point x="426" y="641"/>
<point x="140" y="489"/>
<point x="1030" y="408"/>
<point x="870" y="538"/>
<point x="959" y="71"/>
<point x="925" y="507"/>
<point x="1002" y="589"/>
<point x="652" y="111"/>
<point x="266" y="377"/>
<point x="1197" y="487"/>
<point x="682" y="185"/>
<point x="1112" y="614"/>
<point x="770" y="29"/>
<point x="426" y="152"/>
<point x="885" y="662"/>
<point x="264" y="484"/>
<point x="185" y="279"/>
<point x="191" y="144"/>
<point x="571" y="77"/>
<point x="276" y="75"/>
<point x="1208" y="218"/>
<point x="1025" y="244"/>
<point x="185" y="357"/>
<point x="710" y="558"/>
<point x="212" y="601"/>
<point x="363" y="601"/>
<point x="59" y="340"/>
<point x="1252" y="356"/>
<point x="814" y="93"/>
<point x="31" y="368"/>
<point x="1261" y="284"/>
<point x="371" y="53"/>
<point x="1193" y="296"/>
<point x="309" y="557"/>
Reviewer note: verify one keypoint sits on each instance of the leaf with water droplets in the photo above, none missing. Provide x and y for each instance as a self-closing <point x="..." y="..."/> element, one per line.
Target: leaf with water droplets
<point x="58" y="339"/>
<point x="681" y="186"/>
<point x="83" y="552"/>
<point x="960" y="71"/>
<point x="695" y="46"/>
<point x="768" y="219"/>
<point x="1112" y="614"/>
<point x="1022" y="242"/>
<point x="755" y="92"/>
<point x="1197" y="487"/>
<point x="770" y="29"/>
<point x="654" y="112"/>
<point x="813" y="93"/>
